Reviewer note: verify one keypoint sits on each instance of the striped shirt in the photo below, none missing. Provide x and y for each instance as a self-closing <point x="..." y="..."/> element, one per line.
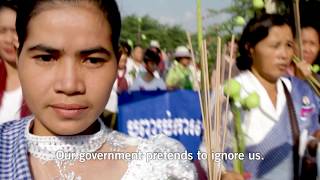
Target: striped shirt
<point x="13" y="151"/>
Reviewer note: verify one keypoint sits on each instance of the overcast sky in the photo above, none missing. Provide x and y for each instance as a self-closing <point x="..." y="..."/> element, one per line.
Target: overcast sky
<point x="181" y="12"/>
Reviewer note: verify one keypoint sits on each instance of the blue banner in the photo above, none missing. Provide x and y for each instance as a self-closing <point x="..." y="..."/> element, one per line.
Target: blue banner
<point x="174" y="113"/>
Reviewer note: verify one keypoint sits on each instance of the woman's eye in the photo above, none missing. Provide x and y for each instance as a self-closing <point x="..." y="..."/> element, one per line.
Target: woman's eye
<point x="44" y="58"/>
<point x="94" y="62"/>
<point x="313" y="43"/>
<point x="291" y="45"/>
<point x="275" y="45"/>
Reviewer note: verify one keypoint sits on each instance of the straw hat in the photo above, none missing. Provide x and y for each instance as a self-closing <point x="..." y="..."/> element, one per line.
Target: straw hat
<point x="154" y="43"/>
<point x="182" y="51"/>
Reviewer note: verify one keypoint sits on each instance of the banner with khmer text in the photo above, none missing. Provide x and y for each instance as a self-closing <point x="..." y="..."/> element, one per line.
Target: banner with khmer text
<point x="174" y="113"/>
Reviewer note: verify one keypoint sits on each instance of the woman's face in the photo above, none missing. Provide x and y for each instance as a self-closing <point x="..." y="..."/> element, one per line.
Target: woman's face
<point x="151" y="66"/>
<point x="310" y="42"/>
<point x="67" y="67"/>
<point x="272" y="55"/>
<point x="185" y="61"/>
<point x="8" y="35"/>
<point x="138" y="54"/>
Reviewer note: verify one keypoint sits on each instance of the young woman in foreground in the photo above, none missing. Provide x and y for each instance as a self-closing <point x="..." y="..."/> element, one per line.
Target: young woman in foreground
<point x="67" y="65"/>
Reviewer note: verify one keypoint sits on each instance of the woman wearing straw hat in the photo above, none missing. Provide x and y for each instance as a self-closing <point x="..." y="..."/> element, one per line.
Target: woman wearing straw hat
<point x="180" y="75"/>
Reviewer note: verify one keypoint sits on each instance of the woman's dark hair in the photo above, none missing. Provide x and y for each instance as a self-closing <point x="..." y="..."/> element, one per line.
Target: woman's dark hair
<point x="256" y="30"/>
<point x="179" y="58"/>
<point x="151" y="55"/>
<point x="30" y="8"/>
<point x="310" y="24"/>
<point x="11" y="4"/>
<point x="124" y="48"/>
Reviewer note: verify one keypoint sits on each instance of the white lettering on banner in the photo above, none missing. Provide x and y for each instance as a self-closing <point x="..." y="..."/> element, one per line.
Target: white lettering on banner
<point x="169" y="127"/>
<point x="178" y="127"/>
<point x="185" y="128"/>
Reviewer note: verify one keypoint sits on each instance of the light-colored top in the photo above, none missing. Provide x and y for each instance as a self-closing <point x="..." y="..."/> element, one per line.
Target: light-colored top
<point x="259" y="121"/>
<point x="14" y="147"/>
<point x="112" y="104"/>
<point x="11" y="105"/>
<point x="179" y="77"/>
<point x="141" y="84"/>
<point x="267" y="129"/>
<point x="133" y="70"/>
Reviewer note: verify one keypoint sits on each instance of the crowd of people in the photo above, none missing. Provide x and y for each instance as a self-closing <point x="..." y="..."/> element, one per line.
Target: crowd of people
<point x="151" y="69"/>
<point x="61" y="66"/>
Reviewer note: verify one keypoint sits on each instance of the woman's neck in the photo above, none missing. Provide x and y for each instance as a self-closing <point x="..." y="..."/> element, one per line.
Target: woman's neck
<point x="38" y="129"/>
<point x="148" y="76"/>
<point x="270" y="86"/>
<point x="12" y="81"/>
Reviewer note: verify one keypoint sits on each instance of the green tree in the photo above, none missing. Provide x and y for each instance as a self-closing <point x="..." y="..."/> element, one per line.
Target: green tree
<point x="134" y="28"/>
<point x="225" y="29"/>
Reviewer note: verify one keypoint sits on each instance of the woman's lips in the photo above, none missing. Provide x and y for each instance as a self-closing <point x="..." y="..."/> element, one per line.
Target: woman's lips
<point x="10" y="50"/>
<point x="283" y="67"/>
<point x="69" y="111"/>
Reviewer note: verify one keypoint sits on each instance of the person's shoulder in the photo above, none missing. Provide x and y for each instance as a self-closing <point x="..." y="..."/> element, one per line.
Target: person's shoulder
<point x="160" y="157"/>
<point x="242" y="76"/>
<point x="11" y="129"/>
<point x="13" y="150"/>
<point x="129" y="61"/>
<point x="137" y="82"/>
<point x="174" y="65"/>
<point x="123" y="139"/>
<point x="11" y="133"/>
<point x="295" y="80"/>
<point x="158" y="81"/>
<point x="162" y="85"/>
<point x="129" y="64"/>
<point x="302" y="89"/>
<point x="300" y="85"/>
<point x="157" y="143"/>
<point x="162" y="143"/>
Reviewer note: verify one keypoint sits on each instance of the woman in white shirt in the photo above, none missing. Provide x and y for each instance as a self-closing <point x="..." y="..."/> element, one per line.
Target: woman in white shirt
<point x="11" y="102"/>
<point x="147" y="81"/>
<point x="287" y="117"/>
<point x="266" y="48"/>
